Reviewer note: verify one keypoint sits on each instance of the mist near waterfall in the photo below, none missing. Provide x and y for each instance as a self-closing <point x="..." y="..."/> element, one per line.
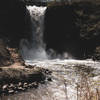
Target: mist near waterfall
<point x="36" y="48"/>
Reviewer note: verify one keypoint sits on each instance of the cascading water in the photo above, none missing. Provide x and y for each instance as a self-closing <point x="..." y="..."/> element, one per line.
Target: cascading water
<point x="36" y="49"/>
<point x="67" y="75"/>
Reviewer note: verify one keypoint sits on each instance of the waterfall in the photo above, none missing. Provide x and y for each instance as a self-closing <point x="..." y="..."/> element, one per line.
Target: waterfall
<point x="69" y="79"/>
<point x="35" y="49"/>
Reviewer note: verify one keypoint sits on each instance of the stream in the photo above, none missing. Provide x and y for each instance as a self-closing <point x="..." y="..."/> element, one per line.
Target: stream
<point x="66" y="76"/>
<point x="70" y="79"/>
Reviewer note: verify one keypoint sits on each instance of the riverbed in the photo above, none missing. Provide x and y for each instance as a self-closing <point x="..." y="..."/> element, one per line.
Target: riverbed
<point x="69" y="80"/>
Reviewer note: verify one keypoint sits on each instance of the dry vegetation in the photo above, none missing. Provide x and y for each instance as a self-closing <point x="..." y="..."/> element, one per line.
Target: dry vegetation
<point x="88" y="89"/>
<point x="88" y="85"/>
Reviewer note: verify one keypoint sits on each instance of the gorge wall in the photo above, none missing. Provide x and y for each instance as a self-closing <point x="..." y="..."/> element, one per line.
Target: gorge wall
<point x="72" y="28"/>
<point x="14" y="25"/>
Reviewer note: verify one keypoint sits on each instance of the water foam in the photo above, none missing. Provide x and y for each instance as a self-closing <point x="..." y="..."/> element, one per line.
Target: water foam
<point x="35" y="49"/>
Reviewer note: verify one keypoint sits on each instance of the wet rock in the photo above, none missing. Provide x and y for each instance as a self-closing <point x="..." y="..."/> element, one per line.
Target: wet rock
<point x="11" y="86"/>
<point x="34" y="83"/>
<point x="16" y="91"/>
<point x="5" y="87"/>
<point x="30" y="85"/>
<point x="19" y="84"/>
<point x="96" y="55"/>
<point x="11" y="91"/>
<point x="20" y="88"/>
<point x="19" y="79"/>
<point x="49" y="79"/>
<point x="25" y="85"/>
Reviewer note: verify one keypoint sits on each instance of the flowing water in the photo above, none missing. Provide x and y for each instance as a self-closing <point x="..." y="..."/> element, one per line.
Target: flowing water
<point x="67" y="74"/>
<point x="35" y="49"/>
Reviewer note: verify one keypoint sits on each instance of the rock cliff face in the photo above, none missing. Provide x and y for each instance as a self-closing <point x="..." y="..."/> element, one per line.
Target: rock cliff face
<point x="61" y="32"/>
<point x="13" y="20"/>
<point x="88" y="21"/>
<point x="14" y="25"/>
<point x="35" y="2"/>
<point x="74" y="28"/>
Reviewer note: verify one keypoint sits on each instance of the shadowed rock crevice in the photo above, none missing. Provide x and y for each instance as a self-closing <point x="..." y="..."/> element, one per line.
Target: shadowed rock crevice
<point x="73" y="28"/>
<point x="61" y="32"/>
<point x="13" y="21"/>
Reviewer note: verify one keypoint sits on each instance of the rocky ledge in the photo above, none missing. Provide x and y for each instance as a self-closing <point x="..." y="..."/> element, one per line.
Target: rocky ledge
<point x="18" y="78"/>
